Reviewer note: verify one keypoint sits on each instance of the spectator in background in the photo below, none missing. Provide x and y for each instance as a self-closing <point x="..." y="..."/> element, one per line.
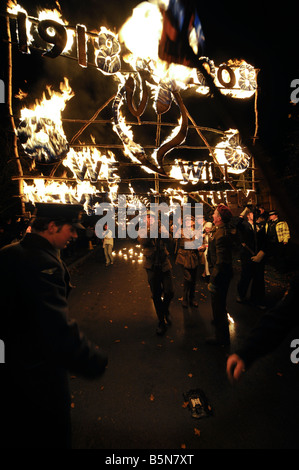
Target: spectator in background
<point x="253" y="251"/>
<point x="277" y="241"/>
<point x="208" y="227"/>
<point x="108" y="243"/>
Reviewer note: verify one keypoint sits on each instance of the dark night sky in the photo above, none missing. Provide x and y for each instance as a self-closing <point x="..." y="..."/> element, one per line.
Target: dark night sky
<point x="264" y="36"/>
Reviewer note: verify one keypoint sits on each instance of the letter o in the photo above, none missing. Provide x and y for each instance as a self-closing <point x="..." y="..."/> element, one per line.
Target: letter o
<point x="232" y="76"/>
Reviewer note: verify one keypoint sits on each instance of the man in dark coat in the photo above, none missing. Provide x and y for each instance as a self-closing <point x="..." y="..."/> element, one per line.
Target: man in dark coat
<point x="220" y="265"/>
<point x="158" y="268"/>
<point x="253" y="251"/>
<point x="41" y="344"/>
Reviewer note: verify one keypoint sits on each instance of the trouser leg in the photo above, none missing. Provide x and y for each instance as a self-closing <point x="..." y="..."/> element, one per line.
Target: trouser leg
<point x="110" y="257"/>
<point x="155" y="283"/>
<point x="246" y="277"/>
<point x="168" y="291"/>
<point x="220" y="312"/>
<point x="106" y="254"/>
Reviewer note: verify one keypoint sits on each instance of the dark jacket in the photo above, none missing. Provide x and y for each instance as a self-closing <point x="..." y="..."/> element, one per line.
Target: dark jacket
<point x="252" y="241"/>
<point x="41" y="343"/>
<point x="187" y="258"/>
<point x="155" y="252"/>
<point x="220" y="254"/>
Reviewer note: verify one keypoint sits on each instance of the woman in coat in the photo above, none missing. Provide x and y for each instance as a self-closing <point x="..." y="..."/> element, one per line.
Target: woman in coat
<point x="189" y="259"/>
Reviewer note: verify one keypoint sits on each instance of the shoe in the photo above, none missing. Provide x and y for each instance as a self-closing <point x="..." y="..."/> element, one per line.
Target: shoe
<point x="162" y="328"/>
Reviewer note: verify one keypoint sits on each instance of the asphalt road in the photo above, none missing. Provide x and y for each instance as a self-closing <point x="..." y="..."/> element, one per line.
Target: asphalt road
<point x="139" y="403"/>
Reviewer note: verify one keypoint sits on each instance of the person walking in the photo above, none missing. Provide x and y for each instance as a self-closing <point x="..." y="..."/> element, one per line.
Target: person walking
<point x="42" y="345"/>
<point x="158" y="268"/>
<point x="220" y="263"/>
<point x="189" y="260"/>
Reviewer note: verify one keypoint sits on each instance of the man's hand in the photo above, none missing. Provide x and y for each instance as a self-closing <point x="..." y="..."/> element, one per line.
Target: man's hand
<point x="235" y="368"/>
<point x="259" y="257"/>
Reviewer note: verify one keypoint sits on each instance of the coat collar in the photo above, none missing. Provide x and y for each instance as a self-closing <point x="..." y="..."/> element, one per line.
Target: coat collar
<point x="35" y="241"/>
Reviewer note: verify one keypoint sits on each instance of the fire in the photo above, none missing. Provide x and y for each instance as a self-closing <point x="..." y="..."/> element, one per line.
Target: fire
<point x="42" y="135"/>
<point x="141" y="35"/>
<point x="230" y="152"/>
<point x="40" y="131"/>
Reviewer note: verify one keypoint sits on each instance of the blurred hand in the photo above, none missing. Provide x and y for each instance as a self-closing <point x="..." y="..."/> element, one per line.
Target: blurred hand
<point x="235" y="368"/>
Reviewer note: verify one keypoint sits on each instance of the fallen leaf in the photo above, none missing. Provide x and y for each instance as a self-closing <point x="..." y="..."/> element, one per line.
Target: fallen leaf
<point x="185" y="404"/>
<point x="183" y="446"/>
<point x="190" y="375"/>
<point x="197" y="432"/>
<point x="152" y="398"/>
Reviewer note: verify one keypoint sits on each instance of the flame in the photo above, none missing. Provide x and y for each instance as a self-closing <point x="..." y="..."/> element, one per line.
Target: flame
<point x="14" y="8"/>
<point x="52" y="107"/>
<point x="41" y="131"/>
<point x="141" y="35"/>
<point x="55" y="191"/>
<point x="230" y="152"/>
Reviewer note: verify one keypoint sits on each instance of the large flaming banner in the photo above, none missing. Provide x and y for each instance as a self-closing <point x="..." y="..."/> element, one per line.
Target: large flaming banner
<point x="68" y="170"/>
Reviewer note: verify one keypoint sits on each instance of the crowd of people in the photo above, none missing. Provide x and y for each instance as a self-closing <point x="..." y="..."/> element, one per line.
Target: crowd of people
<point x="262" y="239"/>
<point x="42" y="344"/>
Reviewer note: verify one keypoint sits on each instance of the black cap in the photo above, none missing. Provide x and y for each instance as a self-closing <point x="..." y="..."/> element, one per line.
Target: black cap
<point x="65" y="213"/>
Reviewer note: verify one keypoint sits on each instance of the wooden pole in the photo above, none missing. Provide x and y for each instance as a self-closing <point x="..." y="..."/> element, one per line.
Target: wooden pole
<point x="9" y="92"/>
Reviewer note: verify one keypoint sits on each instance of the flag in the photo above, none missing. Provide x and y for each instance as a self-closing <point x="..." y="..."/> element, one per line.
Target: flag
<point x="182" y="41"/>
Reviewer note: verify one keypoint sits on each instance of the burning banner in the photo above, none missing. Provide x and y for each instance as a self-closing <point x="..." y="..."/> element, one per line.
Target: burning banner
<point x="153" y="38"/>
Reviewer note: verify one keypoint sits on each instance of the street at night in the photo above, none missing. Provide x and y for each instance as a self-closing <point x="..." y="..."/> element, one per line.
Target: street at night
<point x="139" y="402"/>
